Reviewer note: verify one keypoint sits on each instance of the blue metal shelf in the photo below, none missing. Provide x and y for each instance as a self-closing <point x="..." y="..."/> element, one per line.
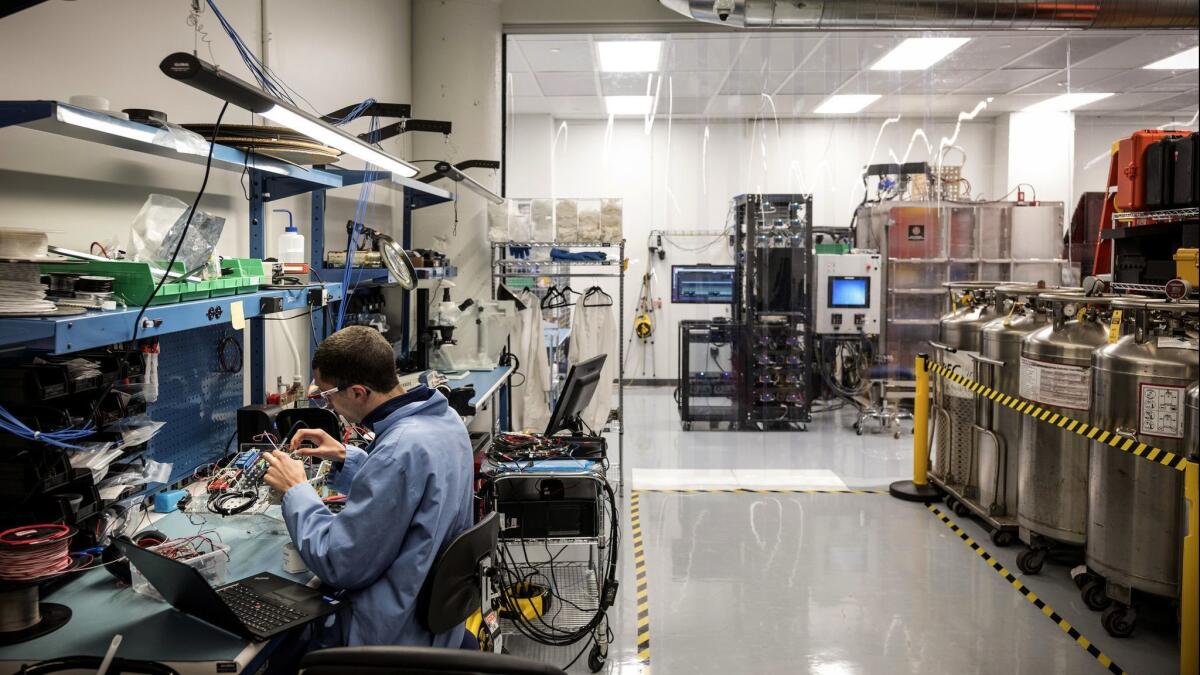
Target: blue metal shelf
<point x="63" y="335"/>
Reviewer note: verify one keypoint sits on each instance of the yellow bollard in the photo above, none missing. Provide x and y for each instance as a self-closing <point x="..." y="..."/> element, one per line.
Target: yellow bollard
<point x="1189" y="610"/>
<point x="918" y="489"/>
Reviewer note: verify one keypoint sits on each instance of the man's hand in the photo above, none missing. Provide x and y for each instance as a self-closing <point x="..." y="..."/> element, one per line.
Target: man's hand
<point x="327" y="446"/>
<point x="284" y="472"/>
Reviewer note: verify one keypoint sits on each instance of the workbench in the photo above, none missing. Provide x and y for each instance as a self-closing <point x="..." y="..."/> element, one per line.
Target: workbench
<point x="102" y="607"/>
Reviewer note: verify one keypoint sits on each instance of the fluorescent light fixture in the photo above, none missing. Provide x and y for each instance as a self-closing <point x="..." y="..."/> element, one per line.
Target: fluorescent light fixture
<point x="919" y="53"/>
<point x="212" y="80"/>
<point x="106" y="124"/>
<point x="1065" y="102"/>
<point x="323" y="133"/>
<point x="628" y="105"/>
<point x="629" y="56"/>
<point x="845" y="103"/>
<point x="1189" y="59"/>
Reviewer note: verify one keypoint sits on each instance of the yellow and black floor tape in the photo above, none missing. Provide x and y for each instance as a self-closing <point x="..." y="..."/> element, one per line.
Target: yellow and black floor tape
<point x="641" y="584"/>
<point x="1032" y="597"/>
<point x="1122" y="443"/>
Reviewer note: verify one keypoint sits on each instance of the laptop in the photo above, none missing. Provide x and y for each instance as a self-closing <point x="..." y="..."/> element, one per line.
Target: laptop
<point x="258" y="607"/>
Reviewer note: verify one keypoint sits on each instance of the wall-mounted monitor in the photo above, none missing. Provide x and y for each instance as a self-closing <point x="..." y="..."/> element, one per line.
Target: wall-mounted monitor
<point x="702" y="284"/>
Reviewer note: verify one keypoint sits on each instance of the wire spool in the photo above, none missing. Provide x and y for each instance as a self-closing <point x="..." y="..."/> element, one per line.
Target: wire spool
<point x="62" y="284"/>
<point x="28" y="555"/>
<point x="21" y="290"/>
<point x="94" y="284"/>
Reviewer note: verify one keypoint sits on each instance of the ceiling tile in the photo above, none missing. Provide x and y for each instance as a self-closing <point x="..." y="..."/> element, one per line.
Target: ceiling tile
<point x="739" y="105"/>
<point x="991" y="52"/>
<point x="940" y="81"/>
<point x="698" y="84"/>
<point x="701" y="52"/>
<point x="1186" y="101"/>
<point x="1067" y="51"/>
<point x="1016" y="102"/>
<point x="592" y="106"/>
<point x="681" y="105"/>
<point x="1070" y="79"/>
<point x="558" y="55"/>
<point x="523" y="84"/>
<point x="1138" y="51"/>
<point x="1178" y="83"/>
<point x="877" y="82"/>
<point x="567" y="84"/>
<point x="1002" y="81"/>
<point x="850" y="52"/>
<point x="514" y="59"/>
<point x="763" y="53"/>
<point x="754" y="83"/>
<point x="932" y="104"/>
<point x="815" y="82"/>
<point x="1128" y="80"/>
<point x="629" y="84"/>
<point x="527" y="105"/>
<point x="1125" y="102"/>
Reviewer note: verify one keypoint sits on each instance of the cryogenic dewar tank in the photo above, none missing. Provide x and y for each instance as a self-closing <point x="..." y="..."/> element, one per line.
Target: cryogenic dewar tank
<point x="1055" y="373"/>
<point x="1135" y="506"/>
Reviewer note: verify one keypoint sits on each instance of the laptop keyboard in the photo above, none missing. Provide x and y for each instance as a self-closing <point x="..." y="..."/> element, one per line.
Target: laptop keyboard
<point x="258" y="613"/>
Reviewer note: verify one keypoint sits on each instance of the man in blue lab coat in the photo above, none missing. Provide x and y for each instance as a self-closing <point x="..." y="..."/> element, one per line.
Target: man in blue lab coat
<point x="408" y="494"/>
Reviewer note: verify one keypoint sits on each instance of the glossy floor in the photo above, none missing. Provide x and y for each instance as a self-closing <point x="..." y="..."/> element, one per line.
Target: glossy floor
<point x="843" y="584"/>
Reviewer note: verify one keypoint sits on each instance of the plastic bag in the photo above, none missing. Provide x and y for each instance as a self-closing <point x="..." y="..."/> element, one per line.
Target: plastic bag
<point x="158" y="226"/>
<point x="566" y="221"/>
<point x="182" y="140"/>
<point x="589" y="220"/>
<point x="150" y="472"/>
<point x="541" y="227"/>
<point x="498" y="221"/>
<point x="611" y="220"/>
<point x="519" y="221"/>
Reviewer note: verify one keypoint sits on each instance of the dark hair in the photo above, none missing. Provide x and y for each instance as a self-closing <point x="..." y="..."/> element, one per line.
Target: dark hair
<point x="357" y="355"/>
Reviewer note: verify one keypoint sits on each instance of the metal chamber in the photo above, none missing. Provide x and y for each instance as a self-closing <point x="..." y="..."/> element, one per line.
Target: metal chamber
<point x="1135" y="507"/>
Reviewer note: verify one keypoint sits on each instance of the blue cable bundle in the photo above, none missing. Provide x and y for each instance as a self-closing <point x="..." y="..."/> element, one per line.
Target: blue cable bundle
<point x="59" y="438"/>
<point x="360" y="214"/>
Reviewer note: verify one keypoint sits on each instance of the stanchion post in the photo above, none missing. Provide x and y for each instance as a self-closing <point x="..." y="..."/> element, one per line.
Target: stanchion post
<point x="1189" y="610"/>
<point x="918" y="489"/>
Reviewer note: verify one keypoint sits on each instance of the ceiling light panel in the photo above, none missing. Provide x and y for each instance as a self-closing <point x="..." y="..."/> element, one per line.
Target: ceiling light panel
<point x="628" y="105"/>
<point x="629" y="56"/>
<point x="1065" y="102"/>
<point x="846" y="103"/>
<point x="1185" y="60"/>
<point x="919" y="53"/>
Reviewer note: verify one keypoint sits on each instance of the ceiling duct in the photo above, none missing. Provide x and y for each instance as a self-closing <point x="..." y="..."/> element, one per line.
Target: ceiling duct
<point x="942" y="14"/>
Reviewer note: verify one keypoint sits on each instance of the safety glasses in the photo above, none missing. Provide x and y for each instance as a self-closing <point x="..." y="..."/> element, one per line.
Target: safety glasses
<point x="321" y="398"/>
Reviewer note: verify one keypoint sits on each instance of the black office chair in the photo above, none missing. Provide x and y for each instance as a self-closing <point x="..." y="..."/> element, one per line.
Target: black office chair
<point x="454" y="589"/>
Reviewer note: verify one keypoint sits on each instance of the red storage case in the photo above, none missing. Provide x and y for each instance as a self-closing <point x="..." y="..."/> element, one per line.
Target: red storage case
<point x="1131" y="175"/>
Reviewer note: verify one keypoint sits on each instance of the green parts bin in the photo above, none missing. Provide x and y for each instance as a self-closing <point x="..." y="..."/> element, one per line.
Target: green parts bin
<point x="132" y="281"/>
<point x="247" y="274"/>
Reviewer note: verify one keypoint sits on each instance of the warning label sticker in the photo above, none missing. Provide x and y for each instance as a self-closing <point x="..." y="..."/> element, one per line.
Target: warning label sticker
<point x="1055" y="384"/>
<point x="1160" y="411"/>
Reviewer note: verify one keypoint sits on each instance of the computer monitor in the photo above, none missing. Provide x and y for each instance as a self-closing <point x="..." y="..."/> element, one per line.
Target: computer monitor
<point x="849" y="292"/>
<point x="702" y="284"/>
<point x="576" y="394"/>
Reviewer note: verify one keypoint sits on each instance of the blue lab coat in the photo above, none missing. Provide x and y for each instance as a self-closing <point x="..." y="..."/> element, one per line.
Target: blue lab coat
<point x="408" y="495"/>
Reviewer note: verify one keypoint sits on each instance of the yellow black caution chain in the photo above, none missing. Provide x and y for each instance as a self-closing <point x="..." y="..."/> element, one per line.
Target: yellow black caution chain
<point x="1122" y="443"/>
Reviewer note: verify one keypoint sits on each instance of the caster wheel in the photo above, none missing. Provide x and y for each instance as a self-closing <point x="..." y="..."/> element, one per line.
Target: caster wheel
<point x="1003" y="538"/>
<point x="1118" y="621"/>
<point x="960" y="509"/>
<point x="687" y="426"/>
<point x="1030" y="560"/>
<point x="1082" y="580"/>
<point x="595" y="659"/>
<point x="896" y="435"/>
<point x="858" y="429"/>
<point x="1093" y="595"/>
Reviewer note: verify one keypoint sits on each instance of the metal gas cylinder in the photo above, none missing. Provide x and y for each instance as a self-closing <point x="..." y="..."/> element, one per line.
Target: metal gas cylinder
<point x="1135" y="506"/>
<point x="1055" y="373"/>
<point x="998" y="427"/>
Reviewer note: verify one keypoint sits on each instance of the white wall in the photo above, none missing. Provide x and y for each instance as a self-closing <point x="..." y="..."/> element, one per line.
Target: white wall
<point x="81" y="192"/>
<point x="682" y="175"/>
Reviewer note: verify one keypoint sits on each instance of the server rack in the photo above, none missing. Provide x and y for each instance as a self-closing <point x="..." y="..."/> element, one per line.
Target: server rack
<point x="773" y="305"/>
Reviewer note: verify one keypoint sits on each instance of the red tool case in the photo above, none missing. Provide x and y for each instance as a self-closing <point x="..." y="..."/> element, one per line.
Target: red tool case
<point x="1131" y="175"/>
